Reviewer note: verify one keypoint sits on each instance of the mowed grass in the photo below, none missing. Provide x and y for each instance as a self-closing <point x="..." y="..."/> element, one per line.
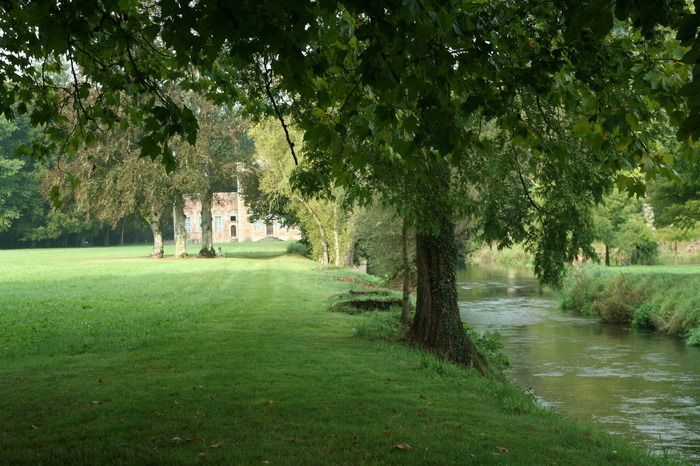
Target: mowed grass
<point x="107" y="357"/>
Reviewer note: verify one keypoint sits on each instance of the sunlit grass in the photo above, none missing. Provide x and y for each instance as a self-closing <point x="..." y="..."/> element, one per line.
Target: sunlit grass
<point x="108" y="357"/>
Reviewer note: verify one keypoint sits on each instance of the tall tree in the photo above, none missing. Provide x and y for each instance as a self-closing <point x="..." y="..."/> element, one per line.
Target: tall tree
<point x="18" y="176"/>
<point x="620" y="224"/>
<point x="109" y="181"/>
<point x="267" y="189"/>
<point x="211" y="165"/>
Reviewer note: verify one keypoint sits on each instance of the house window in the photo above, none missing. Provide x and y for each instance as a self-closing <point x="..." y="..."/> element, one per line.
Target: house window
<point x="257" y="226"/>
<point x="269" y="228"/>
<point x="188" y="224"/>
<point x="233" y="218"/>
<point x="217" y="224"/>
<point x="233" y="231"/>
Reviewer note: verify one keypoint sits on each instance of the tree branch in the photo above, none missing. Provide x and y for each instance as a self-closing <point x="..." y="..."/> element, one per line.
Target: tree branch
<point x="268" y="82"/>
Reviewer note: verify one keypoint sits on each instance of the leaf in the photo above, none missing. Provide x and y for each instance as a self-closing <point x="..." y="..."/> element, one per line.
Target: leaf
<point x="502" y="449"/>
<point x="215" y="445"/>
<point x="402" y="446"/>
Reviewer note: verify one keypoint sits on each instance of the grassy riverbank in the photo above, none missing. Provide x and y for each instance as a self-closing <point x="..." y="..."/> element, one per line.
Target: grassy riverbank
<point x="107" y="357"/>
<point x="664" y="298"/>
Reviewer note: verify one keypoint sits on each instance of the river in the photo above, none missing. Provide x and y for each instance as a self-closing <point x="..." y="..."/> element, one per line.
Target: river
<point x="638" y="384"/>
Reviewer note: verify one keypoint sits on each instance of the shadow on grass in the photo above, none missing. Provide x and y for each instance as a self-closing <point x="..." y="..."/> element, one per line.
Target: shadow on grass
<point x="255" y="254"/>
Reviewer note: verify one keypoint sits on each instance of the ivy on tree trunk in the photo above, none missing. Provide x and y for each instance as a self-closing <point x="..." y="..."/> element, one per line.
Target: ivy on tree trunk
<point x="437" y="325"/>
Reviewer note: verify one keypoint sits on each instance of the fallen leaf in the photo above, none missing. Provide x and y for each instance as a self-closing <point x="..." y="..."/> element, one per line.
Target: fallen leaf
<point x="402" y="446"/>
<point x="96" y="402"/>
<point x="19" y="379"/>
<point x="271" y="403"/>
<point x="266" y="462"/>
<point x="502" y="449"/>
<point x="215" y="445"/>
<point x="34" y="427"/>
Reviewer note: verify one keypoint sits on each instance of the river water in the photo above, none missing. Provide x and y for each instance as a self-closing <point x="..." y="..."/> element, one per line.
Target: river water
<point x="638" y="384"/>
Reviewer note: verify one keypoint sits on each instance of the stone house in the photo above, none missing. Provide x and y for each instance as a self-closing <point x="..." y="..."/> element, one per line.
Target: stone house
<point x="230" y="221"/>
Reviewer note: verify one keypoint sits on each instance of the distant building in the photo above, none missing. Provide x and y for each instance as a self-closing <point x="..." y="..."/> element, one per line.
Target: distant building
<point x="230" y="223"/>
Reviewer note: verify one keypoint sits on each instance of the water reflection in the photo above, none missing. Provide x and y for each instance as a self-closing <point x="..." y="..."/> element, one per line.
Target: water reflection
<point x="640" y="384"/>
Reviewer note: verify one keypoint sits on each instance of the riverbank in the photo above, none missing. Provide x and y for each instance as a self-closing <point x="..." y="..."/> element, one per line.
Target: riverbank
<point x="663" y="298"/>
<point x="107" y="357"/>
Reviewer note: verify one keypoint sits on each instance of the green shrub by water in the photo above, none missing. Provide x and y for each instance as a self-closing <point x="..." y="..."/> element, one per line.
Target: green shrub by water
<point x="663" y="298"/>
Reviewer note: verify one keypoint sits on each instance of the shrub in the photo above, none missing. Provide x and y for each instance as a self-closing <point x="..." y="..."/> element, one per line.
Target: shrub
<point x="693" y="337"/>
<point x="383" y="326"/>
<point x="618" y="302"/>
<point x="636" y="244"/>
<point x="643" y="316"/>
<point x="489" y="346"/>
<point x="295" y="247"/>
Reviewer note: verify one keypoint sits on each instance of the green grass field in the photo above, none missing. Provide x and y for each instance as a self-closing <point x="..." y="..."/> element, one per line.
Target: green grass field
<point x="107" y="357"/>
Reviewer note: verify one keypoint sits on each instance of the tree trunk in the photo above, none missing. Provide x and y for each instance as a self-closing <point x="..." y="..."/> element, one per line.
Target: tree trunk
<point x="350" y="256"/>
<point x="321" y="230"/>
<point x="180" y="233"/>
<point x="675" y="251"/>
<point x="350" y="227"/>
<point x="121" y="236"/>
<point x="153" y="219"/>
<point x="207" y="239"/>
<point x="336" y="236"/>
<point x="437" y="325"/>
<point x="109" y="230"/>
<point x="607" y="256"/>
<point x="405" y="303"/>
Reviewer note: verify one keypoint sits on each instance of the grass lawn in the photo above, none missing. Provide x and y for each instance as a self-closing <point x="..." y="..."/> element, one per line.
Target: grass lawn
<point x="685" y="269"/>
<point x="107" y="357"/>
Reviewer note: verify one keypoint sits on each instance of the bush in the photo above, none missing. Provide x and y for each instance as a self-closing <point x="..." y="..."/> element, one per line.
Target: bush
<point x="295" y="247"/>
<point x="693" y="337"/>
<point x="643" y="316"/>
<point x="385" y="326"/>
<point x="636" y="244"/>
<point x="489" y="346"/>
<point x="618" y="302"/>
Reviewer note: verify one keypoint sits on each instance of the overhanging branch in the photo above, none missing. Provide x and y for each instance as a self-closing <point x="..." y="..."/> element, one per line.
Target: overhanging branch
<point x="268" y="90"/>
